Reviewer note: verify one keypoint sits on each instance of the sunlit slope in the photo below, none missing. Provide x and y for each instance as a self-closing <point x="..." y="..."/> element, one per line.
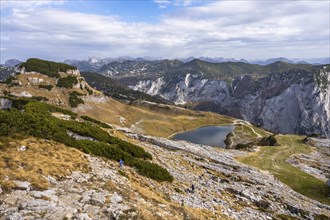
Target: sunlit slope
<point x="160" y="120"/>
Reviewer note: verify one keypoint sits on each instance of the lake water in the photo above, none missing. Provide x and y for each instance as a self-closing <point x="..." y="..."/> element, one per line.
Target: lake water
<point x="211" y="135"/>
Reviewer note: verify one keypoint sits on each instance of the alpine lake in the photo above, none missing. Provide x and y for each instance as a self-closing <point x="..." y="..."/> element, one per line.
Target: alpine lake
<point x="213" y="136"/>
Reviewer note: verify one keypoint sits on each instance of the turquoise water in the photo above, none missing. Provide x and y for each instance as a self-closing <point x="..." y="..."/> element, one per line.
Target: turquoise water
<point x="211" y="135"/>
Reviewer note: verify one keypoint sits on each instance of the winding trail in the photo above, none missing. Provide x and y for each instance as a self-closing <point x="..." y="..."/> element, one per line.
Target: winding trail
<point x="247" y="124"/>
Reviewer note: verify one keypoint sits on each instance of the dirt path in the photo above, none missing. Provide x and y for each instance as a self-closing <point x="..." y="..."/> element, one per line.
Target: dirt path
<point x="247" y="124"/>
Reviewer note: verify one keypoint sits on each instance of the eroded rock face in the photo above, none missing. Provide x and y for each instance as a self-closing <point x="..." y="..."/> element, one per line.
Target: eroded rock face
<point x="35" y="80"/>
<point x="295" y="101"/>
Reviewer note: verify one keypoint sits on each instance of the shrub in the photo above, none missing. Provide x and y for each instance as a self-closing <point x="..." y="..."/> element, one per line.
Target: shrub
<point x="10" y="80"/>
<point x="48" y="87"/>
<point x="46" y="67"/>
<point x="102" y="124"/>
<point x="89" y="91"/>
<point x="74" y="99"/>
<point x="41" y="108"/>
<point x="244" y="146"/>
<point x="40" y="98"/>
<point x="130" y="148"/>
<point x="37" y="121"/>
<point x="268" y="141"/>
<point x="67" y="82"/>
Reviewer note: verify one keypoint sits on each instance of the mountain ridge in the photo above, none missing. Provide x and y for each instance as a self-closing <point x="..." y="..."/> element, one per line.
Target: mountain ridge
<point x="94" y="64"/>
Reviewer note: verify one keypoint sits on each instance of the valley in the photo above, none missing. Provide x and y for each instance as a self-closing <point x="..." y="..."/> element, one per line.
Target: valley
<point x="62" y="139"/>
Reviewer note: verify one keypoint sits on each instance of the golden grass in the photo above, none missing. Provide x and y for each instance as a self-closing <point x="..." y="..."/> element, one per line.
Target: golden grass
<point x="153" y="122"/>
<point x="42" y="158"/>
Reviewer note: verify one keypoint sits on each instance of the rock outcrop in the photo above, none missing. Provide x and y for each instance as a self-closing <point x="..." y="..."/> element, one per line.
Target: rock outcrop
<point x="5" y="104"/>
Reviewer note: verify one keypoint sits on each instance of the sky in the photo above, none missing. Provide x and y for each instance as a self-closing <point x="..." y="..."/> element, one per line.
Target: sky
<point x="79" y="29"/>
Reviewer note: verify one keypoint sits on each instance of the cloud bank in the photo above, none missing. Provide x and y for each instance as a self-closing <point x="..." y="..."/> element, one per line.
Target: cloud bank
<point x="240" y="29"/>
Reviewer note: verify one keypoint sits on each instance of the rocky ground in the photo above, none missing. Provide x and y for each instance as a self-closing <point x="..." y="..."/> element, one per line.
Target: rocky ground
<point x="223" y="189"/>
<point x="318" y="162"/>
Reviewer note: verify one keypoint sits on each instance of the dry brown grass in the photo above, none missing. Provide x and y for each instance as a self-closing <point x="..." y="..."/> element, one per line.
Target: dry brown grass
<point x="152" y="122"/>
<point x="42" y="158"/>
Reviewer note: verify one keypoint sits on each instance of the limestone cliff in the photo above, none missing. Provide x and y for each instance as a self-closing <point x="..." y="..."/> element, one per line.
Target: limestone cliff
<point x="294" y="101"/>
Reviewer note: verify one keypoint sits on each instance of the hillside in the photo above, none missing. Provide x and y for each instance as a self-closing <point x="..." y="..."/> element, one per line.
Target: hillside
<point x="60" y="142"/>
<point x="117" y="90"/>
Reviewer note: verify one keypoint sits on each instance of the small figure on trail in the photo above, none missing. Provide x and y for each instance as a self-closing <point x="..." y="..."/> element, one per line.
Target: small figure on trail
<point x="182" y="202"/>
<point x="192" y="188"/>
<point x="121" y="163"/>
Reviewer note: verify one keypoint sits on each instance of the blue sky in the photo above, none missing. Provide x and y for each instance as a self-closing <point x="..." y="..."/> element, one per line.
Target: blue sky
<point x="78" y="29"/>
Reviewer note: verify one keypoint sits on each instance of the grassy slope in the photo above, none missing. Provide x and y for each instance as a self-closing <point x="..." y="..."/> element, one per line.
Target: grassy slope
<point x="273" y="159"/>
<point x="36" y="120"/>
<point x="153" y="122"/>
<point x="42" y="158"/>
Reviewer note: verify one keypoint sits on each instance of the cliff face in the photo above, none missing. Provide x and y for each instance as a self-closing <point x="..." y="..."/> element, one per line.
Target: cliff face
<point x="294" y="101"/>
<point x="290" y="102"/>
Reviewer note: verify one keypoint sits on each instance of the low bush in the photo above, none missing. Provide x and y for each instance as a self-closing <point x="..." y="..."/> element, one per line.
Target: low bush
<point x="40" y="98"/>
<point x="130" y="148"/>
<point x="268" y="141"/>
<point x="10" y="80"/>
<point x="67" y="82"/>
<point x="74" y="99"/>
<point x="89" y="91"/>
<point x="40" y="108"/>
<point x="48" y="87"/>
<point x="45" y="67"/>
<point x="37" y="121"/>
<point x="102" y="124"/>
<point x="241" y="146"/>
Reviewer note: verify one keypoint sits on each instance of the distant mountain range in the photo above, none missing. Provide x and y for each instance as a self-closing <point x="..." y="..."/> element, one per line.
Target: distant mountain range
<point x="12" y="62"/>
<point x="94" y="64"/>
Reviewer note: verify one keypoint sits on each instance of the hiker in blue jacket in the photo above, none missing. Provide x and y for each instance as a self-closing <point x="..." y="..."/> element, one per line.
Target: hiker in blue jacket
<point x="121" y="163"/>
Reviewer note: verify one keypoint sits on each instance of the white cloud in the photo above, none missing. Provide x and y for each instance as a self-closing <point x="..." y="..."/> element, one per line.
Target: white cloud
<point x="29" y="4"/>
<point x="177" y="3"/>
<point x="248" y="29"/>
